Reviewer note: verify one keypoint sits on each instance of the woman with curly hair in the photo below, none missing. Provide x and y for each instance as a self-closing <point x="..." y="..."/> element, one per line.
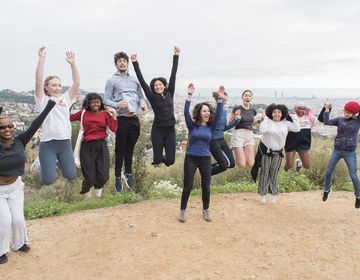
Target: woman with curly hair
<point x="94" y="153"/>
<point x="274" y="130"/>
<point x="201" y="126"/>
<point x="160" y="94"/>
<point x="300" y="142"/>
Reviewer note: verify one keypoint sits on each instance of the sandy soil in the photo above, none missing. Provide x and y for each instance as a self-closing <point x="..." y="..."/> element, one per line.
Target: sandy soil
<point x="299" y="237"/>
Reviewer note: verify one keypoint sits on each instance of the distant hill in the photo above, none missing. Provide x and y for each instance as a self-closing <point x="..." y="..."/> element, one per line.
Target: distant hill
<point x="8" y="95"/>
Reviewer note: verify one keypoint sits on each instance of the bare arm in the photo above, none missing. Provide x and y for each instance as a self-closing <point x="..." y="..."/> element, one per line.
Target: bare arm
<point x="39" y="74"/>
<point x="74" y="88"/>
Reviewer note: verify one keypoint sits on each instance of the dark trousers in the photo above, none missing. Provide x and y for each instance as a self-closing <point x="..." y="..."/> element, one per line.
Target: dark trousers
<point x="95" y="163"/>
<point x="223" y="156"/>
<point x="127" y="135"/>
<point x="191" y="163"/>
<point x="163" y="138"/>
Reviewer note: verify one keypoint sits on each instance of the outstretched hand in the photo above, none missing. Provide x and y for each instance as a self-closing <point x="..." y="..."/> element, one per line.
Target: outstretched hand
<point x="70" y="57"/>
<point x="42" y="52"/>
<point x="221" y="92"/>
<point x="134" y="57"/>
<point x="176" y="50"/>
<point x="191" y="89"/>
<point x="327" y="106"/>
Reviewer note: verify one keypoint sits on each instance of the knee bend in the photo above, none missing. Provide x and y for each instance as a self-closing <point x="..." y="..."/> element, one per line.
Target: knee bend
<point x="48" y="180"/>
<point x="241" y="164"/>
<point x="250" y="164"/>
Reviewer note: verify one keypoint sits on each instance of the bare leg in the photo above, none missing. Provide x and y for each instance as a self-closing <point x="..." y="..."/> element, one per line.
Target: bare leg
<point x="305" y="159"/>
<point x="249" y="155"/>
<point x="240" y="158"/>
<point x="289" y="163"/>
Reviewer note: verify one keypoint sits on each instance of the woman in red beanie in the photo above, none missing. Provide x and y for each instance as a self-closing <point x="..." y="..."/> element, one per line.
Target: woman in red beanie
<point x="344" y="146"/>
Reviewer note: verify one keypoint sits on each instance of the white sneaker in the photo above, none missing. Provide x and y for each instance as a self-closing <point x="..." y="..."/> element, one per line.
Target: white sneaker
<point x="273" y="198"/>
<point x="298" y="165"/>
<point x="99" y="192"/>
<point x="88" y="194"/>
<point x="262" y="198"/>
<point x="34" y="167"/>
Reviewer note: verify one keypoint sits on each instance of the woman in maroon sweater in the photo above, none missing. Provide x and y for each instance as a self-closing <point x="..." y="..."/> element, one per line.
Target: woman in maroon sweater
<point x="94" y="153"/>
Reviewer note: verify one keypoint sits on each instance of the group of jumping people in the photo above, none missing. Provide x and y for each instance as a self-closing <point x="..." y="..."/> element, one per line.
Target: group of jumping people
<point x="119" y="111"/>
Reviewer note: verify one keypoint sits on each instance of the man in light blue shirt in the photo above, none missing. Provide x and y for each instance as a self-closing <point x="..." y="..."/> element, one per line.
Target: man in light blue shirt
<point x="123" y="92"/>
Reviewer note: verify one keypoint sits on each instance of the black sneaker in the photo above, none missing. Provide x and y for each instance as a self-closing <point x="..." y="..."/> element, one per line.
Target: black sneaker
<point x="357" y="203"/>
<point x="3" y="259"/>
<point x="25" y="248"/>
<point x="118" y="186"/>
<point x="326" y="195"/>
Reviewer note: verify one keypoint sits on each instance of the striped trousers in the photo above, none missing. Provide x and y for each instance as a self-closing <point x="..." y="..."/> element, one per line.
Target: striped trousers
<point x="270" y="165"/>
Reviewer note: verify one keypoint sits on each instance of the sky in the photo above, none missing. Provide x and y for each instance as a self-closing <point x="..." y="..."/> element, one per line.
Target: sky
<point x="238" y="44"/>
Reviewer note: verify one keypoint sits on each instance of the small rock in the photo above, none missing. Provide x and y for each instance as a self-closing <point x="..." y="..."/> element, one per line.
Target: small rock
<point x="154" y="234"/>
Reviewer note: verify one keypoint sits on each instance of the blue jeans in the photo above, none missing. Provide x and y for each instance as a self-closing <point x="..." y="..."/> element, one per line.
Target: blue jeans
<point x="51" y="151"/>
<point x="350" y="159"/>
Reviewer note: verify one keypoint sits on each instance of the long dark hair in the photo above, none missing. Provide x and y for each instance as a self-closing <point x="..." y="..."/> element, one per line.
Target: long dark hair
<point x="284" y="110"/>
<point x="197" y="113"/>
<point x="92" y="96"/>
<point x="161" y="79"/>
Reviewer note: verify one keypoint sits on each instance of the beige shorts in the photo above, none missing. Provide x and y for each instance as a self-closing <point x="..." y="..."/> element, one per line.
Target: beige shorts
<point x="242" y="137"/>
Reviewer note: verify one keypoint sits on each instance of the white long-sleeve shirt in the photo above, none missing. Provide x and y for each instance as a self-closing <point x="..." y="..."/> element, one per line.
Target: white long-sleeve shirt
<point x="274" y="133"/>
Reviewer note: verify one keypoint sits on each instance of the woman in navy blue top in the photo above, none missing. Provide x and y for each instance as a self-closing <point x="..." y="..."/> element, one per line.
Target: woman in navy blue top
<point x="201" y="126"/>
<point x="161" y="97"/>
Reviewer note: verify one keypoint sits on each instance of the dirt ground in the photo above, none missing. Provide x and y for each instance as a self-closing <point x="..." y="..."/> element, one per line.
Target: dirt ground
<point x="299" y="237"/>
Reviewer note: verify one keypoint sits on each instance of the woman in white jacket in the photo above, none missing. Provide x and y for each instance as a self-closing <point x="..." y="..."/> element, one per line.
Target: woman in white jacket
<point x="274" y="130"/>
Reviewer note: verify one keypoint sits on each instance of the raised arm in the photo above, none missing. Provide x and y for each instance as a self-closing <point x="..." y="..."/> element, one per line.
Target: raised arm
<point x="36" y="123"/>
<point x="74" y="88"/>
<point x="219" y="107"/>
<point x="327" y="121"/>
<point x="149" y="94"/>
<point x="188" y="118"/>
<point x="39" y="74"/>
<point x="171" y="87"/>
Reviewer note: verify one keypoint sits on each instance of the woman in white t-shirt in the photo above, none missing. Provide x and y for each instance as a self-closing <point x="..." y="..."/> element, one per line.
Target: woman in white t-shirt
<point x="55" y="143"/>
<point x="300" y="142"/>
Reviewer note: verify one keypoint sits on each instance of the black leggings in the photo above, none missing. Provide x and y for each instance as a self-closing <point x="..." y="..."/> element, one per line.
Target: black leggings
<point x="223" y="156"/>
<point x="127" y="135"/>
<point x="191" y="163"/>
<point x="163" y="138"/>
<point x="95" y="163"/>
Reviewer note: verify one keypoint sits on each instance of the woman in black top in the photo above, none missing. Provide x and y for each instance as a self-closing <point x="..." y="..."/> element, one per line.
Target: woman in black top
<point x="161" y="97"/>
<point x="12" y="165"/>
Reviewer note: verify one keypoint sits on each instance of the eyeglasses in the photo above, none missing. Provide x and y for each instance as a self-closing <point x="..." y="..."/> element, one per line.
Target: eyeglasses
<point x="9" y="126"/>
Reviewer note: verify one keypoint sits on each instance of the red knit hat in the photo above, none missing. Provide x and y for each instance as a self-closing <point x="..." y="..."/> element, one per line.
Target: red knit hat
<point x="352" y="107"/>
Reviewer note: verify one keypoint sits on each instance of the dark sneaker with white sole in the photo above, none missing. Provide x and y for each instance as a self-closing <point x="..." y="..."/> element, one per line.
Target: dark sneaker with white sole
<point x="25" y="248"/>
<point x="3" y="259"/>
<point x="118" y="186"/>
<point x="326" y="195"/>
<point x="357" y="203"/>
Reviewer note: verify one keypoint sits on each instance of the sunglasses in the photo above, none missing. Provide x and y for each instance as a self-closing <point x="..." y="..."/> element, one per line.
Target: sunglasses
<point x="9" y="126"/>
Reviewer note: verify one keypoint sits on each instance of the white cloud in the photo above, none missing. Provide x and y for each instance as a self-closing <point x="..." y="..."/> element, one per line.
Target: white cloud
<point x="260" y="43"/>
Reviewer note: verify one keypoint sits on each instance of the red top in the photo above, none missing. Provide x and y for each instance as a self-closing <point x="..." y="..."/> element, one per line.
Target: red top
<point x="95" y="124"/>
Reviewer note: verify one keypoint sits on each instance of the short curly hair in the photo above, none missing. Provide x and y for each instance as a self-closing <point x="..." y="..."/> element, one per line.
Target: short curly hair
<point x="197" y="113"/>
<point x="119" y="55"/>
<point x="161" y="79"/>
<point x="284" y="110"/>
